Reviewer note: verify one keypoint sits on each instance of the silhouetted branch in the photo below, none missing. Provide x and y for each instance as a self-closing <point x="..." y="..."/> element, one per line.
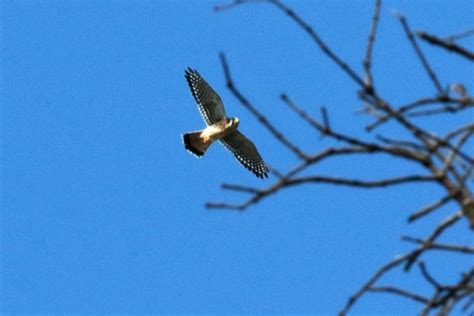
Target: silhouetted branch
<point x="374" y="278"/>
<point x="461" y="104"/>
<point x="438" y="246"/>
<point x="448" y="45"/>
<point x="446" y="296"/>
<point x="428" y="277"/>
<point x="308" y="29"/>
<point x="455" y="248"/>
<point x="400" y="292"/>
<point x="427" y="242"/>
<point x="239" y="188"/>
<point x="420" y="54"/>
<point x="360" y="183"/>
<point x="370" y="43"/>
<point x="444" y="109"/>
<point x="461" y="35"/>
<point x="429" y="208"/>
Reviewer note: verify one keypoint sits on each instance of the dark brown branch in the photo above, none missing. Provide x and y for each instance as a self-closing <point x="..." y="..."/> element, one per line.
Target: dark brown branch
<point x="421" y="134"/>
<point x="461" y="35"/>
<point x="452" y="154"/>
<point x="324" y="114"/>
<point x="308" y="29"/>
<point x="360" y="183"/>
<point x="448" y="45"/>
<point x="223" y="7"/>
<point x="429" y="208"/>
<point x="287" y="182"/>
<point x="437" y="246"/>
<point x="374" y="278"/>
<point x="428" y="277"/>
<point x="446" y="296"/>
<point x="459" y="131"/>
<point x="420" y="54"/>
<point x="397" y="291"/>
<point x="322" y="45"/>
<point x="401" y="143"/>
<point x="463" y="103"/>
<point x="370" y="43"/>
<point x="444" y="109"/>
<point x="225" y="206"/>
<point x="374" y="147"/>
<point x="239" y="188"/>
<point x="427" y="242"/>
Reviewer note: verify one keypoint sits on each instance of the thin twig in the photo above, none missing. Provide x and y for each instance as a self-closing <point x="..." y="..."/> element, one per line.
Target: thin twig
<point x="428" y="277"/>
<point x="395" y="151"/>
<point x="317" y="39"/>
<point x="427" y="242"/>
<point x="448" y="45"/>
<point x="370" y="43"/>
<point x="239" y="188"/>
<point x="437" y="246"/>
<point x="420" y="54"/>
<point x="463" y="103"/>
<point x="397" y="291"/>
<point x="452" y="154"/>
<point x="444" y="109"/>
<point x="461" y="35"/>
<point x="366" y="286"/>
<point x="429" y="208"/>
<point x="360" y="183"/>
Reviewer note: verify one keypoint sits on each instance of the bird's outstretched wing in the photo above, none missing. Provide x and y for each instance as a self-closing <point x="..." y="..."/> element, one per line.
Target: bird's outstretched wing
<point x="209" y="103"/>
<point x="246" y="153"/>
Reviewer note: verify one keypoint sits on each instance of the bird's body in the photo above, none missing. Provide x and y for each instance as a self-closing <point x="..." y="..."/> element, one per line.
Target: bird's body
<point x="219" y="127"/>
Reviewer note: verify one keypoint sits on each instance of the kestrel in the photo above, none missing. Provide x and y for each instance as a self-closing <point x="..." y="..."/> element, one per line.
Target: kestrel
<point x="219" y="127"/>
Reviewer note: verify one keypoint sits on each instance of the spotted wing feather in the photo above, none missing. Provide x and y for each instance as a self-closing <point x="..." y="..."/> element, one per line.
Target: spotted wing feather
<point x="246" y="153"/>
<point x="209" y="103"/>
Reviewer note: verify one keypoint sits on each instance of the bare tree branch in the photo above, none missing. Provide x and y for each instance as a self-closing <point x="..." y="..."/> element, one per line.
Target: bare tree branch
<point x="420" y="54"/>
<point x="448" y="45"/>
<point x="368" y="285"/>
<point x="400" y="292"/>
<point x="461" y="104"/>
<point x="427" y="276"/>
<point x="438" y="246"/>
<point x="429" y="208"/>
<point x="427" y="243"/>
<point x="461" y="35"/>
<point x="370" y="43"/>
<point x="308" y="29"/>
<point x="444" y="109"/>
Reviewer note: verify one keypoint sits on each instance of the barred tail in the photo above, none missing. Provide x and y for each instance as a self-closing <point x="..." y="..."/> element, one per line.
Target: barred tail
<point x="195" y="144"/>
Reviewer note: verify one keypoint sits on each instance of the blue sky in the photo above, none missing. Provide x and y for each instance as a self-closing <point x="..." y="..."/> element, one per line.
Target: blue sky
<point x="102" y="208"/>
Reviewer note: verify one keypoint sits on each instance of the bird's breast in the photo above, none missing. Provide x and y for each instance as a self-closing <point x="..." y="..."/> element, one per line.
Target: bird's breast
<point x="217" y="130"/>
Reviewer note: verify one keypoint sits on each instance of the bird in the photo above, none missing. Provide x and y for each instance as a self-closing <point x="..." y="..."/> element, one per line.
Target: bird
<point x="219" y="128"/>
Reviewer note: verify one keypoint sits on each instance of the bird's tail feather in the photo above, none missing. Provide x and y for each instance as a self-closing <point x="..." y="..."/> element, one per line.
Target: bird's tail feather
<point x="194" y="143"/>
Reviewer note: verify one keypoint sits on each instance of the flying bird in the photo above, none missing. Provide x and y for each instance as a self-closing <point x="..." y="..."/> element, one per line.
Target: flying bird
<point x="219" y="127"/>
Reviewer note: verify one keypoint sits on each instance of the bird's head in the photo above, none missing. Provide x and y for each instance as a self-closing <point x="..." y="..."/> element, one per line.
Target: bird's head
<point x="234" y="122"/>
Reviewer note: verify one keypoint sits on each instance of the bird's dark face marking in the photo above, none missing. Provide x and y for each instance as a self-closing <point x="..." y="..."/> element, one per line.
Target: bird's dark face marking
<point x="234" y="122"/>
